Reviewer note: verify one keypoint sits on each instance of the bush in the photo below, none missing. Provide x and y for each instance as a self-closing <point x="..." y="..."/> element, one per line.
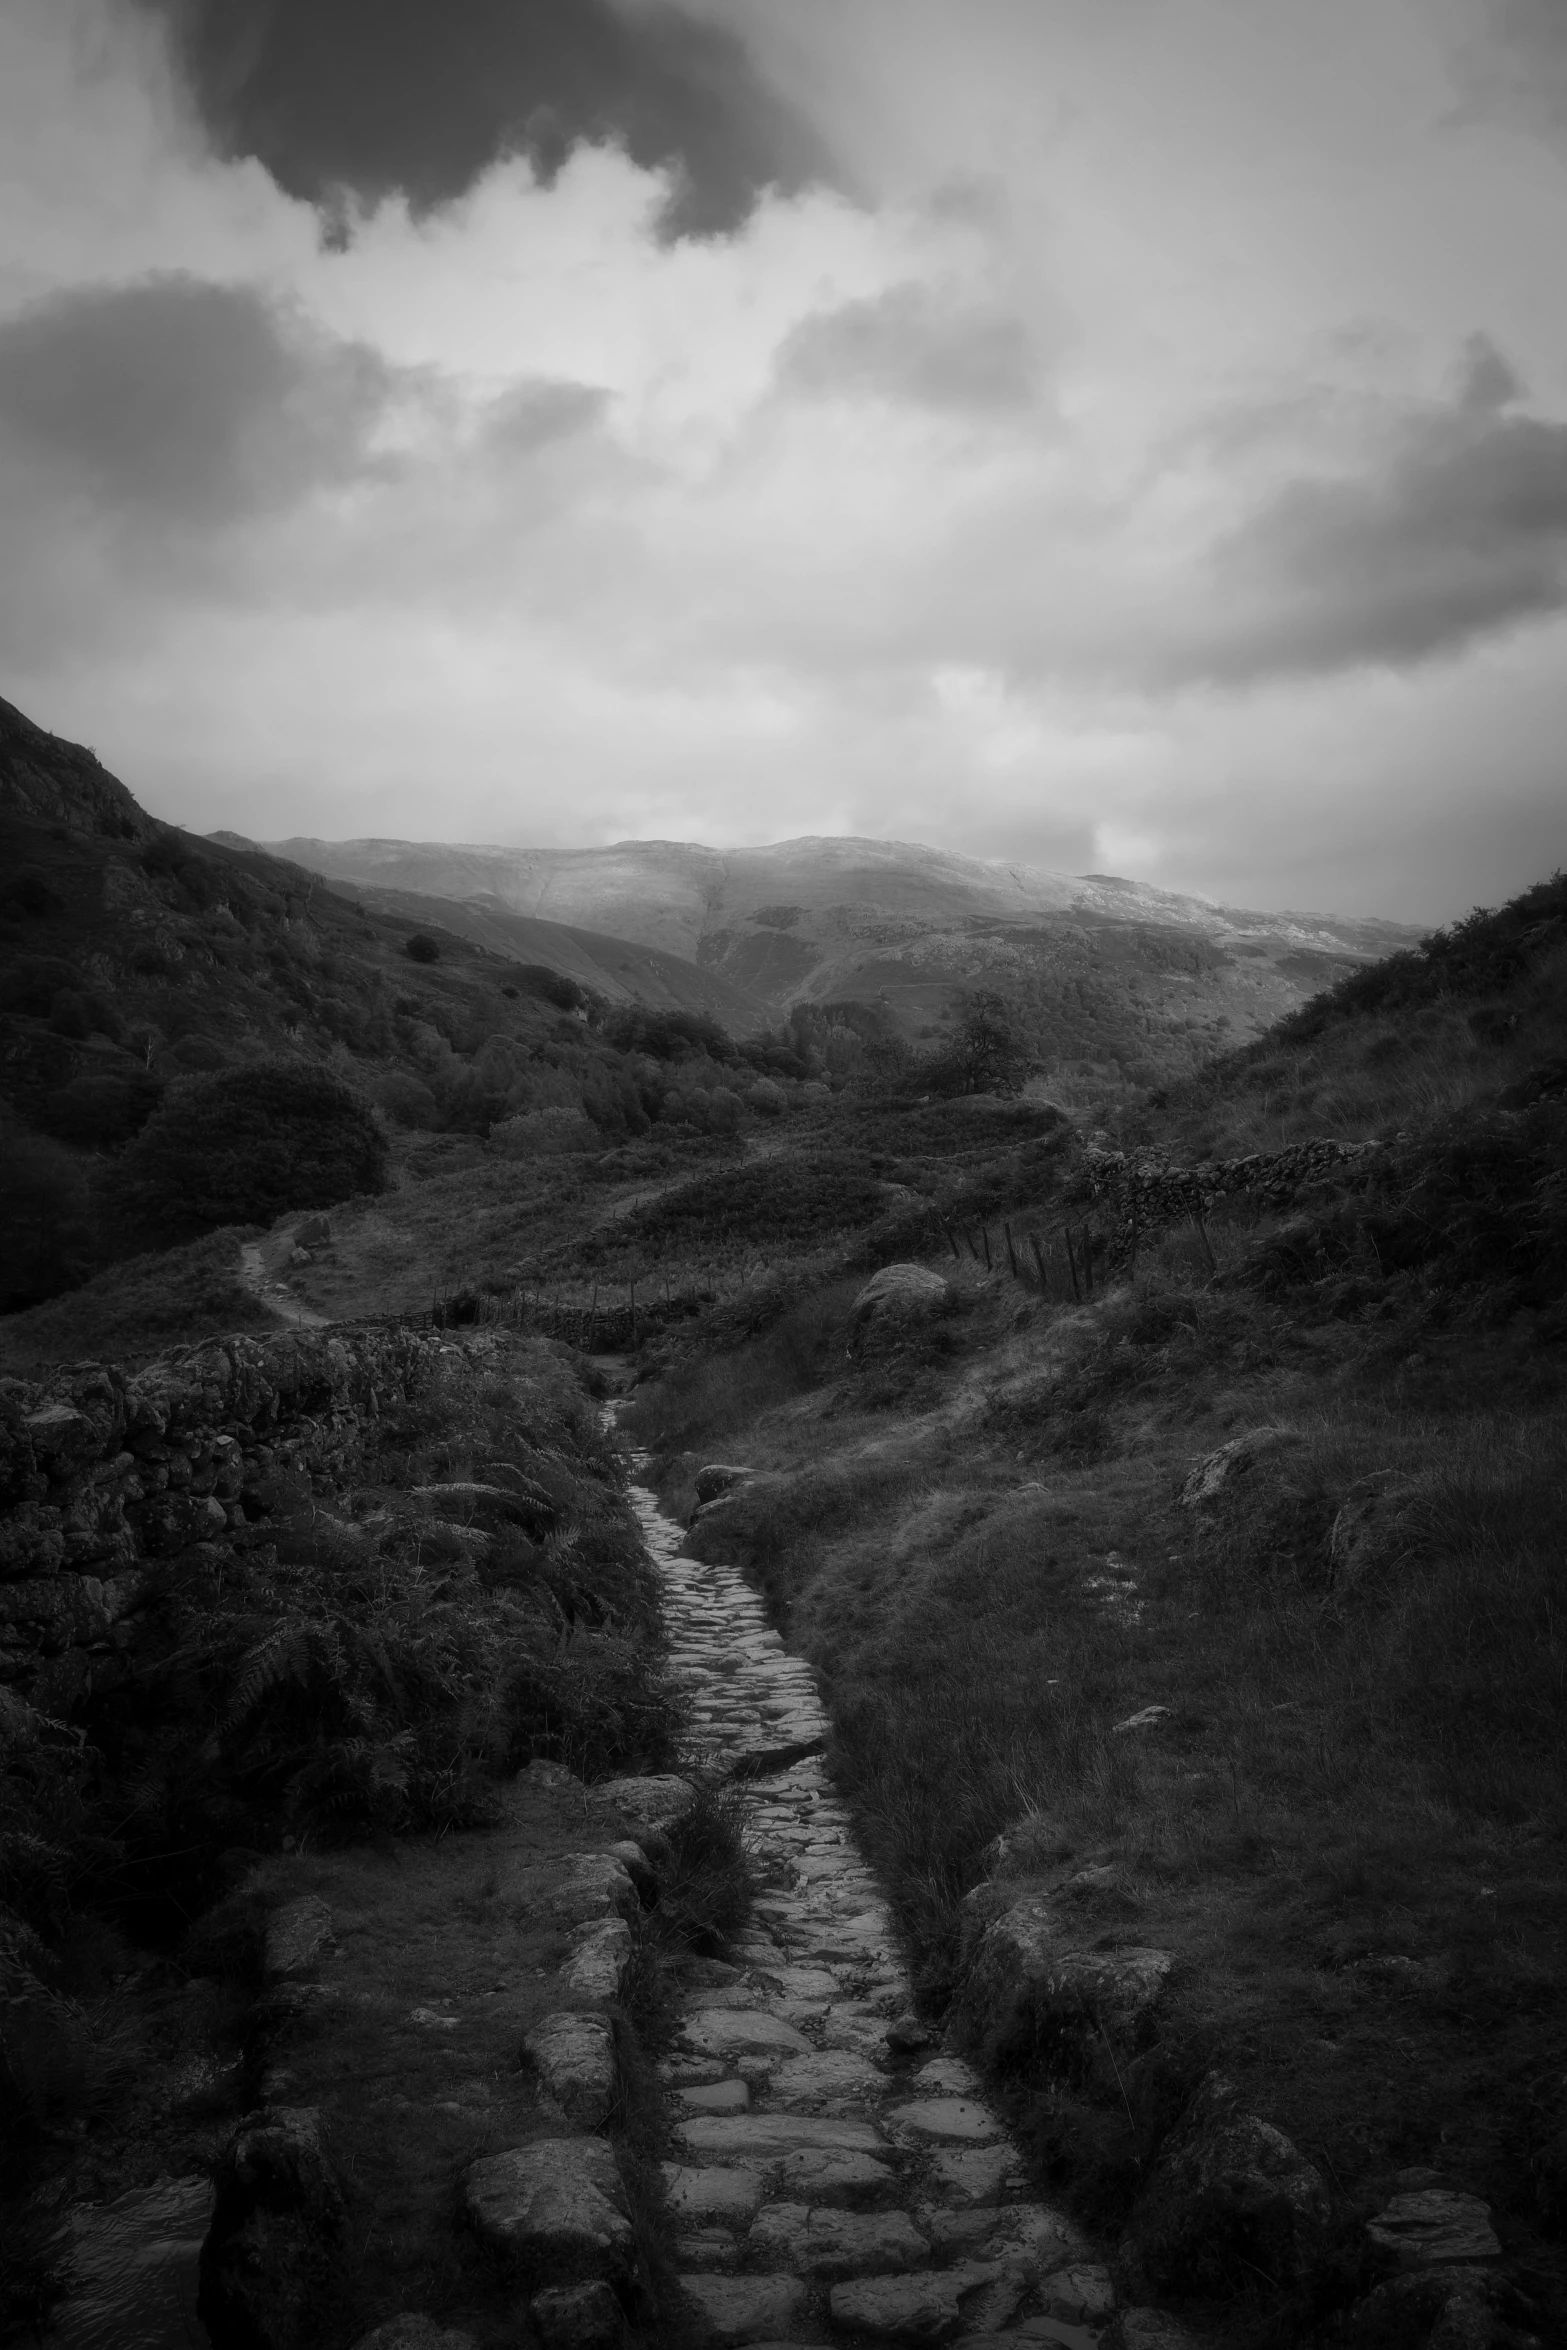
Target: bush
<point x="242" y="1145"/>
<point x="537" y="979"/>
<point x="33" y="982"/>
<point x="406" y="1101"/>
<point x="422" y="948"/>
<point x="45" y="1217"/>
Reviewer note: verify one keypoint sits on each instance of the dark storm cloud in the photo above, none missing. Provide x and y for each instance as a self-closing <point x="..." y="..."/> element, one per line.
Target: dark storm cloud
<point x="182" y="400"/>
<point x="360" y="99"/>
<point x="1459" y="531"/>
<point x="906" y="345"/>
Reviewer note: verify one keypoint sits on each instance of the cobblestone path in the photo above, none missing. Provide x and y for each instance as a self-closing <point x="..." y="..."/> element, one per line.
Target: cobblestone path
<point x="843" y="2181"/>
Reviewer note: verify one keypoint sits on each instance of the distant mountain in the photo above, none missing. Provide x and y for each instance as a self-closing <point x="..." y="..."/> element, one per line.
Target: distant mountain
<point x="1111" y="972"/>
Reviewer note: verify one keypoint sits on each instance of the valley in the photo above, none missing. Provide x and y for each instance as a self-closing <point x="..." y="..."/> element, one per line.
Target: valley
<point x="1089" y="1651"/>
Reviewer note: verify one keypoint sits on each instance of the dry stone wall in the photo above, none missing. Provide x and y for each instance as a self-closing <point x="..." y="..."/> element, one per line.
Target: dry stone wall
<point x="105" y="1472"/>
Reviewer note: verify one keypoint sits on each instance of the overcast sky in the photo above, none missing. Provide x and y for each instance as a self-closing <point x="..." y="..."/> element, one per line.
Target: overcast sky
<point x="1125" y="435"/>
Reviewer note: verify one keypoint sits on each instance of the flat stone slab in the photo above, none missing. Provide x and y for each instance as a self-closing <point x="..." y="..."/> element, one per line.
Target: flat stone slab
<point x="950" y="2120"/>
<point x="745" y="2309"/>
<point x="768" y="2137"/>
<point x="712" y="2193"/>
<point x="836" y="2245"/>
<point x="969" y="2175"/>
<point x="833" y="2076"/>
<point x="854" y="2182"/>
<point x="1033" y="2232"/>
<point x="557" y="2203"/>
<point x="578" y="2317"/>
<point x="574" y="2057"/>
<point x="717" y="2097"/>
<point x="725" y="2031"/>
<point x="911" y="2309"/>
<point x="1436" y="2225"/>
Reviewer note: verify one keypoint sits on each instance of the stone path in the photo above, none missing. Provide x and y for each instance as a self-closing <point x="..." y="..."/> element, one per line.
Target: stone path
<point x="843" y="2182"/>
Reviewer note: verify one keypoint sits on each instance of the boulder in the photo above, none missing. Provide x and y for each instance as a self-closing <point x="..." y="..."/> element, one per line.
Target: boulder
<point x="556" y="2206"/>
<point x="1433" y="2309"/>
<point x="1213" y="1477"/>
<point x="273" y="2241"/>
<point x="1435" y="2227"/>
<point x="1023" y="1983"/>
<point x="1227" y="2190"/>
<point x="652" y="1804"/>
<point x="297" y="1937"/>
<point x="574" y="2057"/>
<point x="600" y="1958"/>
<point x="894" y="1303"/>
<point x="744" y="2309"/>
<point x="719" y="1477"/>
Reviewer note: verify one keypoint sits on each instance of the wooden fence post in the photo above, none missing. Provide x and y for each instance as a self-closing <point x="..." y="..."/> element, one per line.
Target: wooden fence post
<point x="984" y="1234"/>
<point x="1011" y="1251"/>
<point x="1071" y="1263"/>
<point x="1039" y="1263"/>
<point x="951" y="1243"/>
<point x="1083" y="1243"/>
<point x="1207" y="1244"/>
<point x="632" y="1287"/>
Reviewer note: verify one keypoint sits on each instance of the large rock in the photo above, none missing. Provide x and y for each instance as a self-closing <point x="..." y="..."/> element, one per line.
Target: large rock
<point x="273" y="2241"/>
<point x="653" y="1803"/>
<point x="1214" y="1476"/>
<point x="719" y="1477"/>
<point x="1433" y="2309"/>
<point x="893" y="1304"/>
<point x="931" y="2307"/>
<point x="578" y="2317"/>
<point x="1227" y="2190"/>
<point x="1023" y="1984"/>
<point x="1435" y="2226"/>
<point x="574" y="2057"/>
<point x="412" y="2331"/>
<point x="297" y="1938"/>
<point x="744" y="2309"/>
<point x="600" y="1960"/>
<point x="557" y="2207"/>
<point x="731" y="2031"/>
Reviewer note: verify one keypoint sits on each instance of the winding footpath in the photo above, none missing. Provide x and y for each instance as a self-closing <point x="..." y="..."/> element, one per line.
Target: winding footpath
<point x="842" y="2181"/>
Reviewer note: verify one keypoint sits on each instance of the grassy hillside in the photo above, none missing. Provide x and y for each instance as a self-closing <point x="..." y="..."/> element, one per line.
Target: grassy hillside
<point x="1308" y="1734"/>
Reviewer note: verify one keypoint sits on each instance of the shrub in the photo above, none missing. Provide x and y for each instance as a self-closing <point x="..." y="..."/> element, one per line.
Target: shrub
<point x="422" y="948"/>
<point x="32" y="983"/>
<point x="406" y="1101"/>
<point x="240" y="1146"/>
<point x="537" y="979"/>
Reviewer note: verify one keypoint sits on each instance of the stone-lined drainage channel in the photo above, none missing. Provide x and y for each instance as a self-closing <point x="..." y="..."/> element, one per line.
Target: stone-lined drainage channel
<point x="841" y="2181"/>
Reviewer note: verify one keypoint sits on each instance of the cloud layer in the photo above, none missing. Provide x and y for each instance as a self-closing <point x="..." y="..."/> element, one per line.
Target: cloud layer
<point x="1159" y="463"/>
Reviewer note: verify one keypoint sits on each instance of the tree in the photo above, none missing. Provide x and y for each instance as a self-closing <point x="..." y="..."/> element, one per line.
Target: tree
<point x="422" y="948"/>
<point x="986" y="1053"/>
<point x="241" y="1146"/>
<point x="45" y="1216"/>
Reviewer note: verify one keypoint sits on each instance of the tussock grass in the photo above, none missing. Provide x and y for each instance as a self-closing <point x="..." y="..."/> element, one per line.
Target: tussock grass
<point x="137" y="1309"/>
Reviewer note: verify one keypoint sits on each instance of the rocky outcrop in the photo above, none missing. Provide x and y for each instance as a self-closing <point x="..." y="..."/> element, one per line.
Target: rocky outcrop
<point x="893" y="1303"/>
<point x="1227" y="2191"/>
<point x="556" y="2208"/>
<point x="105" y="1473"/>
<point x="1028" y="1984"/>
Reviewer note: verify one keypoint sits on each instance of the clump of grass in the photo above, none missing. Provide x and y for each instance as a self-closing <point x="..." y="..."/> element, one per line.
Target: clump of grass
<point x="706" y="1884"/>
<point x="136" y="1309"/>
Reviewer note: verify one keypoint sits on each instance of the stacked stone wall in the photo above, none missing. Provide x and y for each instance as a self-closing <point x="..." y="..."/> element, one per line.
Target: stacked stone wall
<point x="1144" y="1190"/>
<point x="103" y="1473"/>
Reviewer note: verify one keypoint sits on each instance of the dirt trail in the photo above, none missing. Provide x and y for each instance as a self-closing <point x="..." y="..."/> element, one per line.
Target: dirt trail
<point x="275" y="1295"/>
<point x="841" y="2179"/>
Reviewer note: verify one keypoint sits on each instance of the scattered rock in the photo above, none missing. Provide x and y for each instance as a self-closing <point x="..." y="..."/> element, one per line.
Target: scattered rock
<point x="740" y="2031"/>
<point x="1435" y="2225"/>
<point x="596" y="1885"/>
<point x="1226" y="2187"/>
<point x="925" y="2308"/>
<point x="1217" y="1473"/>
<point x="557" y="2204"/>
<point x="770" y="2137"/>
<point x="745" y="2309"/>
<point x="908" y="2036"/>
<point x="578" y="2317"/>
<point x="574" y="2056"/>
<point x="1144" y="1720"/>
<point x="826" y="2176"/>
<point x="297" y="1936"/>
<point x="972" y="2175"/>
